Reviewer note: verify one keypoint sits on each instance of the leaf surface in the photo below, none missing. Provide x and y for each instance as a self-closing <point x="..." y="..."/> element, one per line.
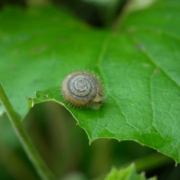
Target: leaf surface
<point x="138" y="63"/>
<point x="128" y="173"/>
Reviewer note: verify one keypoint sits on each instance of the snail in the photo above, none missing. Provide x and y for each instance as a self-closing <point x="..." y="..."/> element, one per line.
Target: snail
<point x="83" y="89"/>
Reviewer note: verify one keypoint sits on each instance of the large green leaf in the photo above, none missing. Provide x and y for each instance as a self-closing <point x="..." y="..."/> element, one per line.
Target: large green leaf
<point x="139" y="65"/>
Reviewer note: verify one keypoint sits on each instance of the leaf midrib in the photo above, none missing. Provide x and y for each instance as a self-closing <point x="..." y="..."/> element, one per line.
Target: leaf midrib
<point x="145" y="51"/>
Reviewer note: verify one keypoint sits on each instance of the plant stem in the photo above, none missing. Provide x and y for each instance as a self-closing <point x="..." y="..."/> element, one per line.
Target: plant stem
<point x="33" y="155"/>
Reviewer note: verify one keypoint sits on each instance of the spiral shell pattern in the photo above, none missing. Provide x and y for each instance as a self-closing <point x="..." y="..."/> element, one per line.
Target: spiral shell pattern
<point x="82" y="88"/>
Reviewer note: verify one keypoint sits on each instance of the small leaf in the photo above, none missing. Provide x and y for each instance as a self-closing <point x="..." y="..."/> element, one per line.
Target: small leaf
<point x="128" y="173"/>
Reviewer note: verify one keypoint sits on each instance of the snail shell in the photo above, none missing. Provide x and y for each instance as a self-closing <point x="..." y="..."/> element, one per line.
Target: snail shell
<point x="82" y="88"/>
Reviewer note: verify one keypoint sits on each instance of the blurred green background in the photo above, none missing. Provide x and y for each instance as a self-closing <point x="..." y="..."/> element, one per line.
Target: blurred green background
<point x="63" y="145"/>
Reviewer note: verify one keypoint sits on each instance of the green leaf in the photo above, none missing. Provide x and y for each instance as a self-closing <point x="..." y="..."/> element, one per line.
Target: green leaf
<point x="138" y="64"/>
<point x="128" y="173"/>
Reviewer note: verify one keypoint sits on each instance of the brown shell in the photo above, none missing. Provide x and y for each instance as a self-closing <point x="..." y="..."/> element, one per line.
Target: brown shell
<point x="82" y="88"/>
